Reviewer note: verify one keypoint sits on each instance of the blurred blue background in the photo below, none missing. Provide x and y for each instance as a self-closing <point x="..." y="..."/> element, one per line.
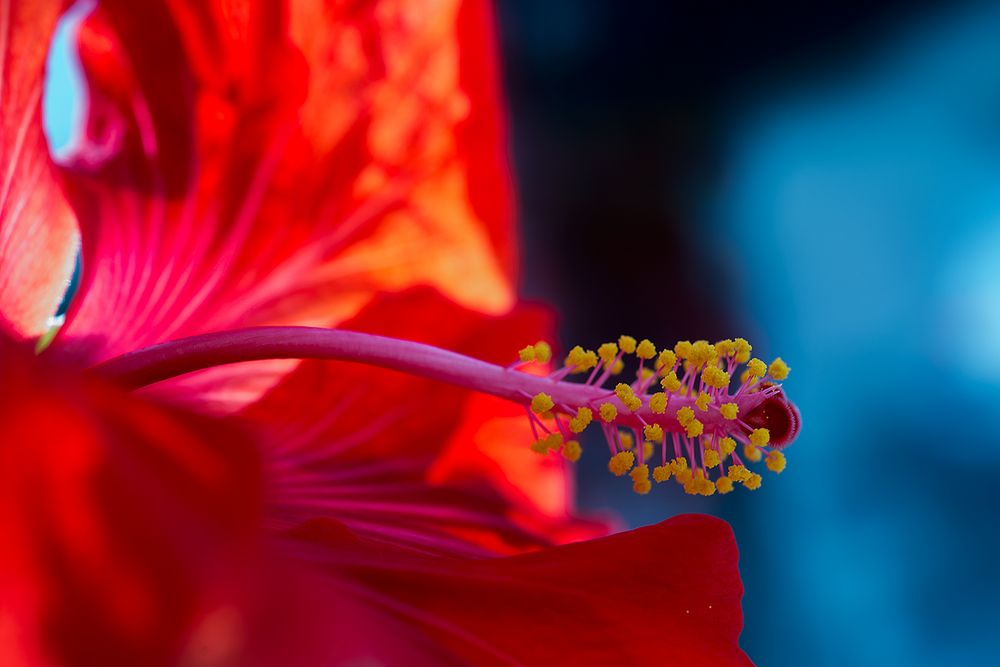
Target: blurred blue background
<point x="825" y="181"/>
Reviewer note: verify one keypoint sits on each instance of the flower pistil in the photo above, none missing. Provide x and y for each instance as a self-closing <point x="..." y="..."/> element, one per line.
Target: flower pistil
<point x="691" y="415"/>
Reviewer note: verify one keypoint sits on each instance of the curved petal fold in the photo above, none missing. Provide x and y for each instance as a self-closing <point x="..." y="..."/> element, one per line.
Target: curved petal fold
<point x="38" y="237"/>
<point x="667" y="594"/>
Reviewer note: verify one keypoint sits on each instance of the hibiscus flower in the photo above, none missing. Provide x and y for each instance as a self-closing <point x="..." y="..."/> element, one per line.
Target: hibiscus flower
<point x="303" y="163"/>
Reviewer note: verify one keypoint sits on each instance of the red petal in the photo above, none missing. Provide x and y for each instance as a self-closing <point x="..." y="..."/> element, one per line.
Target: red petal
<point x="258" y="162"/>
<point x="489" y="447"/>
<point x="409" y="459"/>
<point x="38" y="237"/>
<point x="124" y="524"/>
<point x="667" y="594"/>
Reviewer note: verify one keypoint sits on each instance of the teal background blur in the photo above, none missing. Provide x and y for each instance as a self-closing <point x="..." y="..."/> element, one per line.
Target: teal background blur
<point x="825" y="181"/>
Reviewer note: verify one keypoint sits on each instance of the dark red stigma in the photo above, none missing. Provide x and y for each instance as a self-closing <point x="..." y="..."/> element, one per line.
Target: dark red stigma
<point x="779" y="416"/>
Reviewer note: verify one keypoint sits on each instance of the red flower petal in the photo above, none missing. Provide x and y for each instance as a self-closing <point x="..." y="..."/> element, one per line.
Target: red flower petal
<point x="268" y="162"/>
<point x="667" y="594"/>
<point x="489" y="449"/>
<point x="124" y="524"/>
<point x="412" y="460"/>
<point x="38" y="237"/>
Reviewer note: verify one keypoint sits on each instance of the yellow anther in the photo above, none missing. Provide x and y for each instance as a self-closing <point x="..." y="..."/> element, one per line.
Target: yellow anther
<point x="658" y="403"/>
<point x="665" y="361"/>
<point x="647" y="451"/>
<point x="661" y="473"/>
<point x="775" y="461"/>
<point x="541" y="403"/>
<point x="653" y="432"/>
<point x="738" y="473"/>
<point x="677" y="465"/>
<point x="645" y="350"/>
<point x="547" y="443"/>
<point x="685" y="415"/>
<point x="701" y="353"/>
<point x="742" y="350"/>
<point x="608" y="412"/>
<point x="756" y="368"/>
<point x="752" y="453"/>
<point x="572" y="451"/>
<point x="526" y="353"/>
<point x="744" y="376"/>
<point x="711" y="458"/>
<point x="725" y="347"/>
<point x="683" y="476"/>
<point x="645" y="374"/>
<point x="670" y="382"/>
<point x="543" y="352"/>
<point x="607" y="353"/>
<point x="724" y="485"/>
<point x="579" y="360"/>
<point x="582" y="419"/>
<point x="702" y="401"/>
<point x="618" y="367"/>
<point x="759" y="437"/>
<point x="621" y="463"/>
<point x="729" y="410"/>
<point x="715" y="377"/>
<point x="727" y="446"/>
<point x="627" y="396"/>
<point x="694" y="428"/>
<point x="683" y="349"/>
<point x="626" y="439"/>
<point x="640" y="479"/>
<point x="697" y="484"/>
<point x="752" y="482"/>
<point x="778" y="369"/>
<point x="627" y="344"/>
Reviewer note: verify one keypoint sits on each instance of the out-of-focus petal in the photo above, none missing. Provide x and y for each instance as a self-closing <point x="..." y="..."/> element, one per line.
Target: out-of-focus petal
<point x="667" y="594"/>
<point x="280" y="162"/>
<point x="38" y="239"/>
<point x="411" y="460"/>
<point x="126" y="526"/>
<point x="488" y="449"/>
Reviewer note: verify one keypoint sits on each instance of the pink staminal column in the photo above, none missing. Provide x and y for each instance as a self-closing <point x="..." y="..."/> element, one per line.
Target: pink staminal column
<point x="685" y="410"/>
